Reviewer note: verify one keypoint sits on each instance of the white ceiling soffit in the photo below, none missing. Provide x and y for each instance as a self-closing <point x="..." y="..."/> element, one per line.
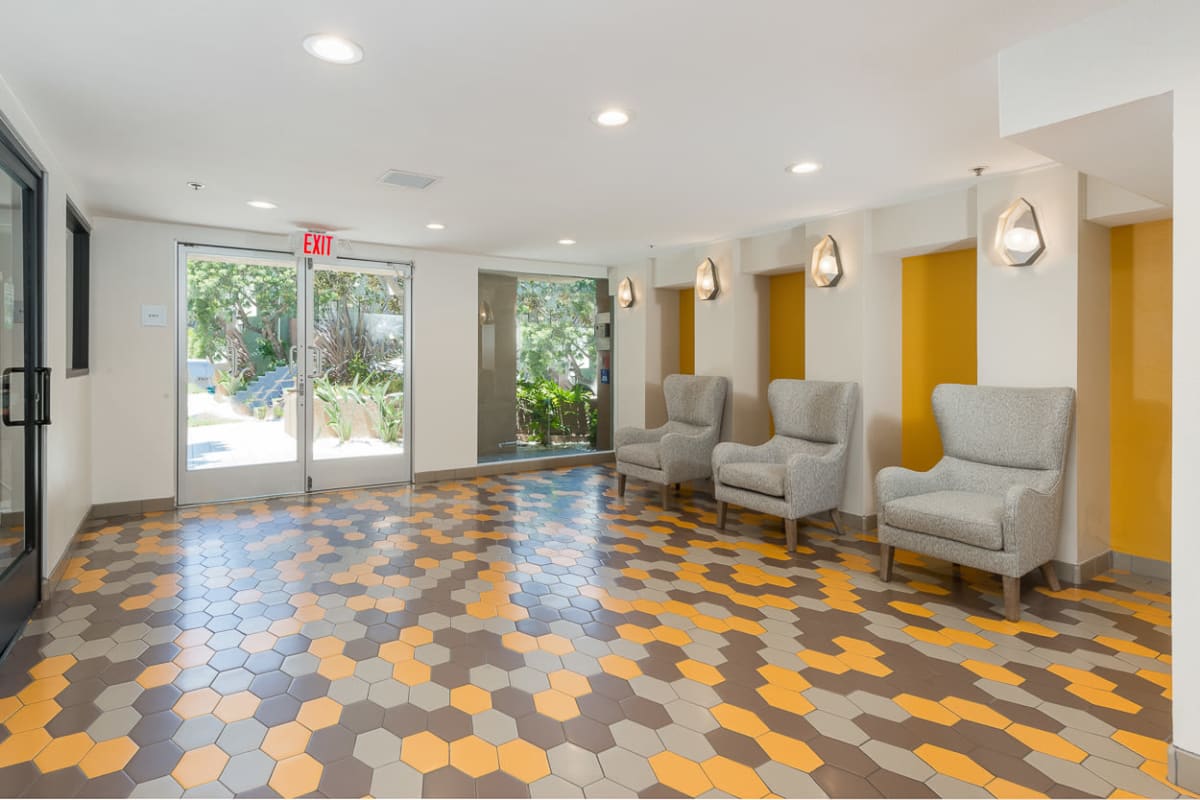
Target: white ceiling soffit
<point x="497" y="98"/>
<point x="1128" y="145"/>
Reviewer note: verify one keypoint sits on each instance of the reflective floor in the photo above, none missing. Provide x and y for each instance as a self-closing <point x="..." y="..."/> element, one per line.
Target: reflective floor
<point x="531" y="635"/>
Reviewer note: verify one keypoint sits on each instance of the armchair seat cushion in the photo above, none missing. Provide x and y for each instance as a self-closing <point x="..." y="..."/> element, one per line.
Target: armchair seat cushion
<point x="971" y="518"/>
<point x="645" y="454"/>
<point x="764" y="478"/>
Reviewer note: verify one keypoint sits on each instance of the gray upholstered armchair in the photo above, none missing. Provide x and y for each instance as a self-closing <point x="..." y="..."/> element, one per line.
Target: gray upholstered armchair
<point x="994" y="501"/>
<point x="682" y="449"/>
<point x="802" y="469"/>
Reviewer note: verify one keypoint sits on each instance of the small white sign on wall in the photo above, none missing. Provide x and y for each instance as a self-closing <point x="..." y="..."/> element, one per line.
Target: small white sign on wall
<point x="154" y="316"/>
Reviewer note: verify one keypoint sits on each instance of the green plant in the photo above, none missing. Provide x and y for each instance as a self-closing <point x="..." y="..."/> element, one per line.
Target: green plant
<point x="230" y="382"/>
<point x="390" y="408"/>
<point x="546" y="406"/>
<point x="331" y="396"/>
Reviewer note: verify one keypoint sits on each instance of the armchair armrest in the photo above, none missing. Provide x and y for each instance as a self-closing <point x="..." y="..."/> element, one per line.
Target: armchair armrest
<point x="624" y="436"/>
<point x="734" y="453"/>
<point x="892" y="483"/>
<point x="816" y="480"/>
<point x="1031" y="521"/>
<point x="687" y="453"/>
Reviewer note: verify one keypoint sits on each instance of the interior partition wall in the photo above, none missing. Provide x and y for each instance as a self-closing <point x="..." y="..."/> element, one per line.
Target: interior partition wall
<point x="544" y="366"/>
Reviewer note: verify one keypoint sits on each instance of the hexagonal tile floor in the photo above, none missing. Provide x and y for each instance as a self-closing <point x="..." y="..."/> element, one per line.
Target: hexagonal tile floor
<point x="533" y="635"/>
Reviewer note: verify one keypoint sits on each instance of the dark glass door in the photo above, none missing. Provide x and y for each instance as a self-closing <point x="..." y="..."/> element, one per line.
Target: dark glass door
<point x="24" y="393"/>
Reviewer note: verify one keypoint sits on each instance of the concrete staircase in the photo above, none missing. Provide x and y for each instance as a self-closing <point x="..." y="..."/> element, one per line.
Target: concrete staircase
<point x="264" y="389"/>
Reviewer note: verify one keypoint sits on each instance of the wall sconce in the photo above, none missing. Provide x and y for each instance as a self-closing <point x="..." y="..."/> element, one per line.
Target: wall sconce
<point x="486" y="317"/>
<point x="826" y="263"/>
<point x="1019" y="240"/>
<point x="707" y="285"/>
<point x="625" y="293"/>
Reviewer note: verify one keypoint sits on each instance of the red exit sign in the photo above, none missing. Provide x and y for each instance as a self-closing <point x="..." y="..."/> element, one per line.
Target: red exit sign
<point x="317" y="244"/>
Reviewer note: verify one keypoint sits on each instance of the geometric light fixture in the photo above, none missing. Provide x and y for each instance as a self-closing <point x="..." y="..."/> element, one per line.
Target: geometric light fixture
<point x="707" y="285"/>
<point x="826" y="263"/>
<point x="1019" y="240"/>
<point x="625" y="293"/>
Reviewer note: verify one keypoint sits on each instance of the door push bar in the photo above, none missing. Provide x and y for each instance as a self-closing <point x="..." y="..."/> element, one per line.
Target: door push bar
<point x="41" y="397"/>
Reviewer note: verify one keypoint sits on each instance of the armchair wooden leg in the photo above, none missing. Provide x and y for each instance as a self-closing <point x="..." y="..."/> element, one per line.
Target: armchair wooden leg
<point x="1051" y="577"/>
<point x="887" y="555"/>
<point x="1012" y="598"/>
<point x="722" y="511"/>
<point x="620" y="485"/>
<point x="836" y="516"/>
<point x="791" y="533"/>
<point x="666" y="493"/>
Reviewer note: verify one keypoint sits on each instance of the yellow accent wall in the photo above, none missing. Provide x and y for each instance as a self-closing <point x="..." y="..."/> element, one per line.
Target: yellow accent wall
<point x="938" y="344"/>
<point x="786" y="334"/>
<point x="687" y="331"/>
<point x="1140" y="370"/>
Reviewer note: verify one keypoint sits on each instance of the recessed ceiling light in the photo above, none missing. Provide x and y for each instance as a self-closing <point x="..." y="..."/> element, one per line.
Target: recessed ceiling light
<point x="261" y="204"/>
<point x="566" y="241"/>
<point x="436" y="226"/>
<point x="333" y="49"/>
<point x="803" y="167"/>
<point x="612" y="118"/>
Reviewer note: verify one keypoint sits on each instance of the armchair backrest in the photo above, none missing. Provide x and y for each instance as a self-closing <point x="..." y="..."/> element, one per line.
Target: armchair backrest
<point x="697" y="400"/>
<point x="817" y="411"/>
<point x="1005" y="426"/>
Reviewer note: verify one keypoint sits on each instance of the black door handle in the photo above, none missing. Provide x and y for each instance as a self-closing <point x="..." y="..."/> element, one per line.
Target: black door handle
<point x="41" y="397"/>
<point x="4" y="392"/>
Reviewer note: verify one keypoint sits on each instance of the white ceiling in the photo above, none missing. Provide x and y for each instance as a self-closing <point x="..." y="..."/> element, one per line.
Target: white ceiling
<point x="895" y="99"/>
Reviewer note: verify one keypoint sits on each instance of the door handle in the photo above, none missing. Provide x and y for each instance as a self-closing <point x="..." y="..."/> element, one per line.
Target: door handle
<point x="5" y="388"/>
<point x="42" y="396"/>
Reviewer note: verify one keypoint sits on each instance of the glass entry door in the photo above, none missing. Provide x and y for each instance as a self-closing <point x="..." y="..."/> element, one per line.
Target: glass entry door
<point x="358" y="401"/>
<point x="292" y="374"/>
<point x="241" y="404"/>
<point x="24" y="392"/>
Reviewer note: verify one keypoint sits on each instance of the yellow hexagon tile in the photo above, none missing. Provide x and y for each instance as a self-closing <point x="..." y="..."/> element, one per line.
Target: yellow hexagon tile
<point x="926" y="709"/>
<point x="956" y="765"/>
<point x="681" y="774"/>
<point x="473" y="756"/>
<point x="425" y="752"/>
<point x="523" y="760"/>
<point x="63" y="752"/>
<point x="470" y="699"/>
<point x="200" y="766"/>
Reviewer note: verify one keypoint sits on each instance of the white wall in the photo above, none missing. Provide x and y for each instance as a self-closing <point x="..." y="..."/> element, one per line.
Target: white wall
<point x="135" y="263"/>
<point x="630" y="344"/>
<point x="68" y="487"/>
<point x="1185" y="422"/>
<point x="1027" y="317"/>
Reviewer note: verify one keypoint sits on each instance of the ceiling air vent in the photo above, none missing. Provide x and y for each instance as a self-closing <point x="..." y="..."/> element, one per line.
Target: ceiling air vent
<point x="407" y="180"/>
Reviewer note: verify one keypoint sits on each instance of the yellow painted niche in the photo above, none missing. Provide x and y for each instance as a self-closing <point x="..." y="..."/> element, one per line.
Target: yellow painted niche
<point x="938" y="344"/>
<point x="687" y="331"/>
<point x="1140" y="385"/>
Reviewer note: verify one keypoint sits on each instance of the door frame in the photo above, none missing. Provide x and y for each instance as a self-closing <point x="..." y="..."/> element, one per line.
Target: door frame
<point x="360" y="466"/>
<point x="22" y="586"/>
<point x="261" y="480"/>
<point x="283" y="478"/>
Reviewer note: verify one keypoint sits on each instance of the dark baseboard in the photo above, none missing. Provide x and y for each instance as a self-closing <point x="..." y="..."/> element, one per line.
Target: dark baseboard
<point x="55" y="574"/>
<point x="1076" y="574"/>
<point x="1140" y="565"/>
<point x="127" y="507"/>
<point x="1183" y="768"/>
<point x="516" y="465"/>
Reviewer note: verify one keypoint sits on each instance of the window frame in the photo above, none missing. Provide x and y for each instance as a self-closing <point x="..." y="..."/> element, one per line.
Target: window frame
<point x="79" y="309"/>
